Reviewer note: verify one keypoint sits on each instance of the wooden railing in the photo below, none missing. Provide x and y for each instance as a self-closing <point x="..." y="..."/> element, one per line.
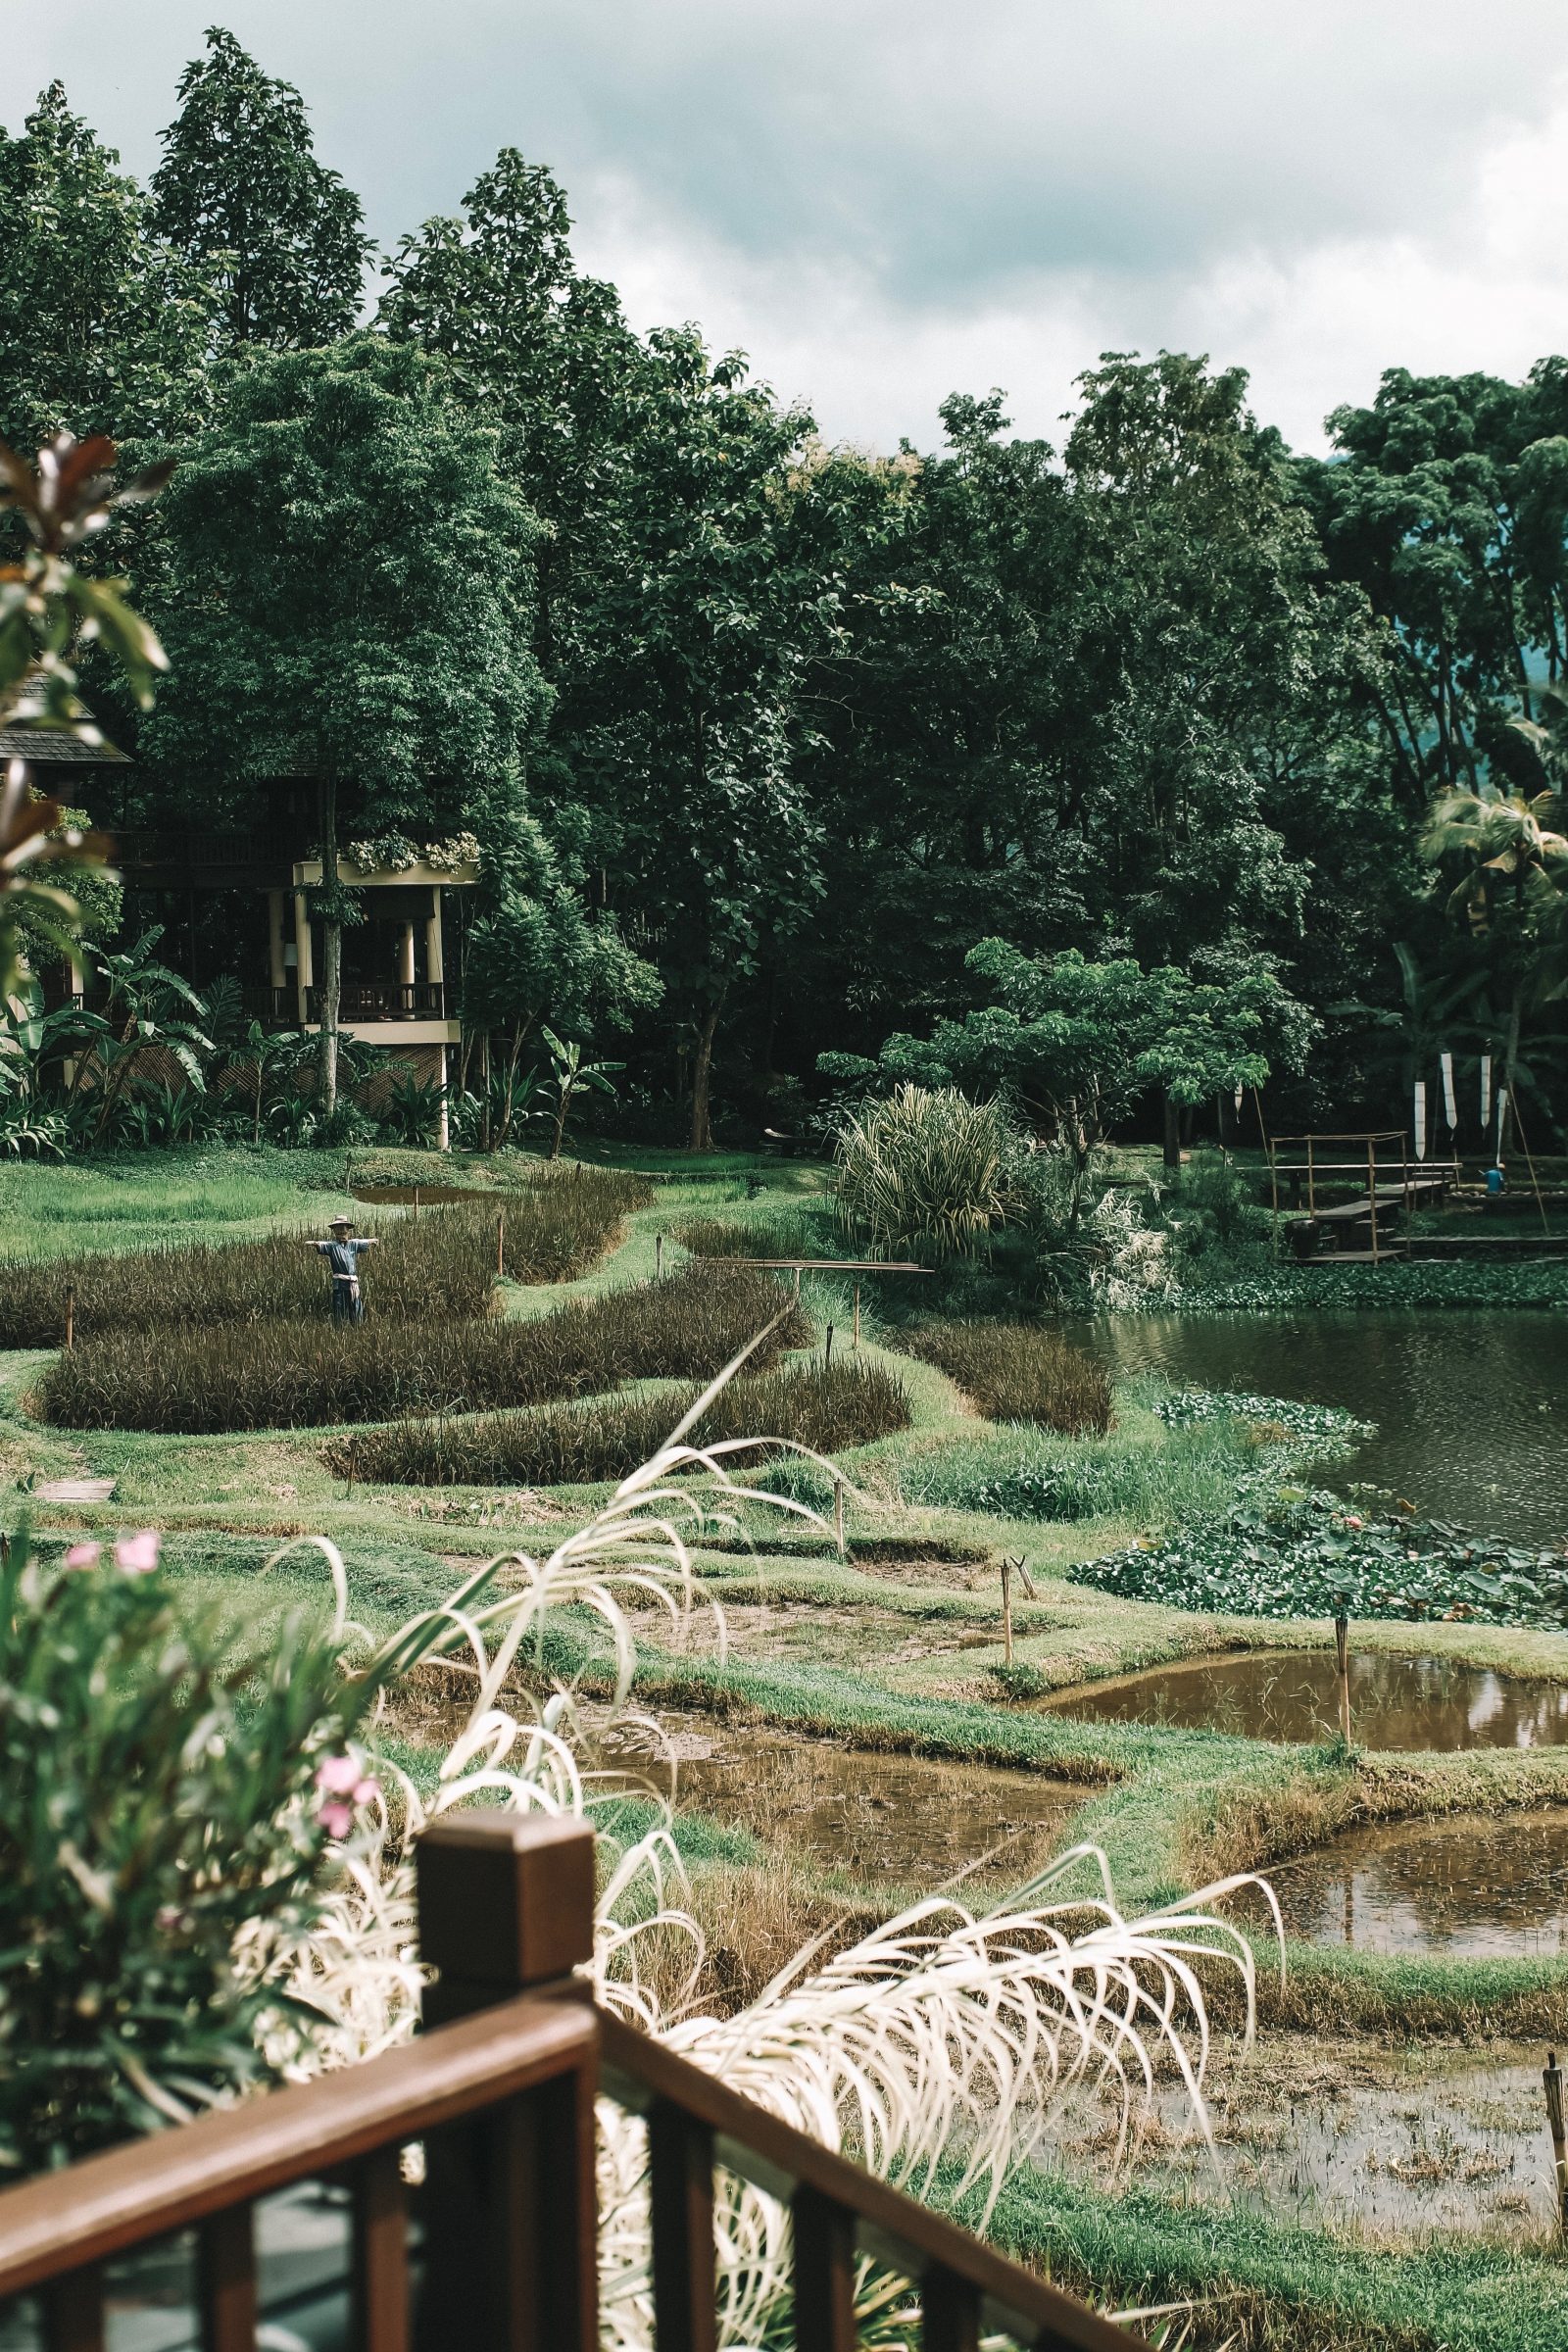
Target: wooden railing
<point x="496" y="2249"/>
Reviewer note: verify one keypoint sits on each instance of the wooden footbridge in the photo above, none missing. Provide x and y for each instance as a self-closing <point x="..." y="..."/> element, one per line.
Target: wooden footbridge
<point x="1362" y="1229"/>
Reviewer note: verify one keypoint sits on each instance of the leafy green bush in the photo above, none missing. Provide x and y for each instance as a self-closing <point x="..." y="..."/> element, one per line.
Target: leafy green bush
<point x="1019" y="1372"/>
<point x="1214" y="1207"/>
<point x="302" y="1375"/>
<point x="1290" y="1555"/>
<point x="826" y="1407"/>
<point x="922" y="1172"/>
<point x="156" y="1801"/>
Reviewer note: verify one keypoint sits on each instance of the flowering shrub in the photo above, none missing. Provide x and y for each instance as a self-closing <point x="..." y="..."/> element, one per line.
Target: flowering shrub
<point x="1296" y="1554"/>
<point x="166" y="1790"/>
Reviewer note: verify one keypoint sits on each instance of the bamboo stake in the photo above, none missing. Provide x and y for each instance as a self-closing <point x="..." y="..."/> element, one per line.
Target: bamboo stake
<point x="1006" y="1610"/>
<point x="1551" y="2082"/>
<point x="415" y="1205"/>
<point x="1341" y="1651"/>
<point x="837" y="1510"/>
<point x="857" y="1317"/>
<point x="501" y="1240"/>
<point x="70" y="1314"/>
<point x="354" y="1460"/>
<point x="827" y="1352"/>
<point x="658" y="1255"/>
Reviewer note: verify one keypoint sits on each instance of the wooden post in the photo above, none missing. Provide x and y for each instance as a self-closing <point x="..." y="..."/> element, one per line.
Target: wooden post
<point x="1311" y="1196"/>
<point x="415" y="1205"/>
<point x="797" y="1281"/>
<point x="857" y="1317"/>
<point x="501" y="1240"/>
<point x="1551" y="2081"/>
<point x="827" y="1352"/>
<point x="70" y="1314"/>
<point x="1006" y="1610"/>
<point x="658" y="1257"/>
<point x="506" y="1906"/>
<point x="354" y="1460"/>
<point x="1372" y="1193"/>
<point x="1342" y="1654"/>
<point x="837" y="1510"/>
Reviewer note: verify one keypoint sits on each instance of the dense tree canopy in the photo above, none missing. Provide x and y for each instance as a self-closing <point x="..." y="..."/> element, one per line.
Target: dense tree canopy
<point x="764" y="739"/>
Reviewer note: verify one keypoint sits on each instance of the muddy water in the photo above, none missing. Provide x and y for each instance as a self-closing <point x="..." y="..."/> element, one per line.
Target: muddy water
<point x="907" y="1820"/>
<point x="1395" y="1702"/>
<point x="1471" y="1408"/>
<point x="1477" y="1886"/>
<point x="1383" y="2149"/>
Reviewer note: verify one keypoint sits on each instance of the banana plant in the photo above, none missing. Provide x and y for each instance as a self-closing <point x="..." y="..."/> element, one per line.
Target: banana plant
<point x="569" y="1074"/>
<point x="142" y="1012"/>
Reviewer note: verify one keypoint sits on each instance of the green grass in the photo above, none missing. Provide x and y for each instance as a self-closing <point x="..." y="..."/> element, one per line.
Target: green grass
<point x="1020" y="1372"/>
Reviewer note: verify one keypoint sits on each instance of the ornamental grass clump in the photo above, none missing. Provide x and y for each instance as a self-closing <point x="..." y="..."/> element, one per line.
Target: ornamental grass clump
<point x="565" y="1220"/>
<point x="1019" y="1372"/>
<point x="785" y="1236"/>
<point x="168" y="1790"/>
<point x="825" y="1408"/>
<point x="922" y="1173"/>
<point x="302" y="1375"/>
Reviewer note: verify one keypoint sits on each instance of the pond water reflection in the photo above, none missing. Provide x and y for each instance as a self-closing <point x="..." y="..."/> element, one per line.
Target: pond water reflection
<point x="1395" y="1702"/>
<point x="1476" y="1886"/>
<point x="1472" y="1410"/>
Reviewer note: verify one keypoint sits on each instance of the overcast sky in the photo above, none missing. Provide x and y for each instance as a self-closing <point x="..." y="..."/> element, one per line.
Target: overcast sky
<point x="886" y="200"/>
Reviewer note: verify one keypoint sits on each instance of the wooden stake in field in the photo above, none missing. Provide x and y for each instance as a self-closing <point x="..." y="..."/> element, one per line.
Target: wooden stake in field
<point x="501" y="1240"/>
<point x="1551" y="2081"/>
<point x="354" y="1460"/>
<point x="837" y="1510"/>
<point x="658" y="1257"/>
<point x="415" y="1205"/>
<point x="1010" y="1570"/>
<point x="827" y="1352"/>
<point x="857" y="1317"/>
<point x="70" y="1314"/>
<point x="1341" y="1654"/>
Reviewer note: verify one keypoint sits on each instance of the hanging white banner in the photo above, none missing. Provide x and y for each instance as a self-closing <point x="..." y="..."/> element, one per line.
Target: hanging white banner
<point x="1448" y="1103"/>
<point x="1237" y="1102"/>
<point x="1420" y="1118"/>
<point x="1485" y="1089"/>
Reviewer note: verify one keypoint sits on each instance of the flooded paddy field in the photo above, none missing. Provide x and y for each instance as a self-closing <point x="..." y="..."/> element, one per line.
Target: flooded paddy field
<point x="1397" y="1702"/>
<point x="906" y="1821"/>
<point x="1470" y="1887"/>
<point x="1383" y="2147"/>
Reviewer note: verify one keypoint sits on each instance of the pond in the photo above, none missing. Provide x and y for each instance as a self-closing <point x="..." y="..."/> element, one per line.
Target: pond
<point x="1395" y="1702"/>
<point x="1471" y="1888"/>
<point x="1472" y="1408"/>
<point x="906" y="1820"/>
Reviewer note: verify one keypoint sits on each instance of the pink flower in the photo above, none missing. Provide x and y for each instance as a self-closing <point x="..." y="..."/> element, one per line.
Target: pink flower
<point x="1351" y="1521"/>
<point x="85" y="1555"/>
<point x="343" y="1786"/>
<point x="137" y="1554"/>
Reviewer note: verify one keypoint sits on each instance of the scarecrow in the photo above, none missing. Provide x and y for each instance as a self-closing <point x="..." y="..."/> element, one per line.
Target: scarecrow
<point x="342" y="1255"/>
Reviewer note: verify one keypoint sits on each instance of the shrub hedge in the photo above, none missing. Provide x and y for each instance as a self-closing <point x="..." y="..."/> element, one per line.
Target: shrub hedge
<point x="1019" y="1372"/>
<point x="281" y="1375"/>
<point x="828" y="1407"/>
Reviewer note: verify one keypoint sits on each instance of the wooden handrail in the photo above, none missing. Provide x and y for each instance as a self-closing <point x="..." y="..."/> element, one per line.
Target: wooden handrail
<point x="95" y="2208"/>
<point x="641" y="2074"/>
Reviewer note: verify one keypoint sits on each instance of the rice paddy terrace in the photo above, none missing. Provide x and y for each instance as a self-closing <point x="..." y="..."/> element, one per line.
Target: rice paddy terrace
<point x="872" y="1730"/>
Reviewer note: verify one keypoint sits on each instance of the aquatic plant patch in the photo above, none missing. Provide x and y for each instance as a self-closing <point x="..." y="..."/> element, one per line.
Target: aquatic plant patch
<point x="1296" y="1554"/>
<point x="302" y="1375"/>
<point x="1019" y="1372"/>
<point x="828" y="1407"/>
<point x="1324" y="1427"/>
<point x="1469" y="1283"/>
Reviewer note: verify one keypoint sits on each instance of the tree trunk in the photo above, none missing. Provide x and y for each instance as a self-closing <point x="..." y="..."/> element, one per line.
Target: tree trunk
<point x="1173" y="1135"/>
<point x="331" y="950"/>
<point x="701" y="1136"/>
<point x="1510" y="1066"/>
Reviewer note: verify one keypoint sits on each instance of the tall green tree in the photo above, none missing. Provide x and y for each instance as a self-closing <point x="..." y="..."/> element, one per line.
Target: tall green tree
<point x="347" y="601"/>
<point x="103" y="329"/>
<point x="241" y="196"/>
